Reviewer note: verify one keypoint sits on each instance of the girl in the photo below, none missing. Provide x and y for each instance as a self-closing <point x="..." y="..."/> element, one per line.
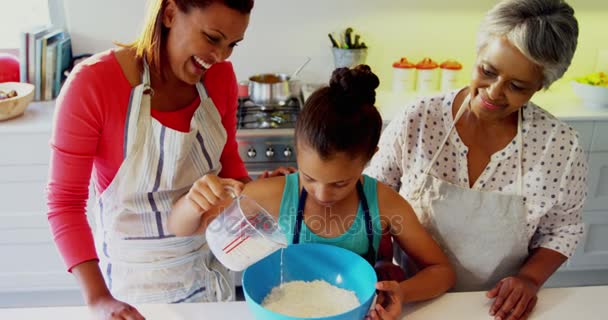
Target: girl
<point x="330" y="201"/>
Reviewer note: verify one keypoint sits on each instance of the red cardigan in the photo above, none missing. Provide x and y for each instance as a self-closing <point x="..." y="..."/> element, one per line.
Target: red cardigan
<point x="87" y="138"/>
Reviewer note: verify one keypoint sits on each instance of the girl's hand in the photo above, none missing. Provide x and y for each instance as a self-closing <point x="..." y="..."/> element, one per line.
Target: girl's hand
<point x="210" y="190"/>
<point x="108" y="308"/>
<point x="388" y="306"/>
<point x="515" y="297"/>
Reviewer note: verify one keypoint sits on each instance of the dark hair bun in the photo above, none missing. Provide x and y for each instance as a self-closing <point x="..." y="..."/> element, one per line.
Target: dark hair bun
<point x="356" y="86"/>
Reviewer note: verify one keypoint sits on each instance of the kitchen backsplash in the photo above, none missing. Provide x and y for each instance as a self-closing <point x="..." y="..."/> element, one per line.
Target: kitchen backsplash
<point x="283" y="33"/>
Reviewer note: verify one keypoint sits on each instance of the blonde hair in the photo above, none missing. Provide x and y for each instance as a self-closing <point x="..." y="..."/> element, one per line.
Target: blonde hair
<point x="153" y="36"/>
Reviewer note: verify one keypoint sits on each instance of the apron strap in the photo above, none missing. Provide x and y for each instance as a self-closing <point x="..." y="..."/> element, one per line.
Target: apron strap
<point x="139" y="108"/>
<point x="299" y="217"/>
<point x="520" y="153"/>
<point x="519" y="138"/>
<point x="202" y="92"/>
<point x="370" y="255"/>
<point x="447" y="136"/>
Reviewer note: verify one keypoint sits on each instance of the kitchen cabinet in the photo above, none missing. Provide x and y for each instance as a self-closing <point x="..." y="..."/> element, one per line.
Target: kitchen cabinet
<point x="33" y="274"/>
<point x="592" y="252"/>
<point x="597" y="197"/>
<point x="32" y="271"/>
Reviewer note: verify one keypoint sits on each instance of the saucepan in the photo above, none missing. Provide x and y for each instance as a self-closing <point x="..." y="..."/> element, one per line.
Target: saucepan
<point x="274" y="89"/>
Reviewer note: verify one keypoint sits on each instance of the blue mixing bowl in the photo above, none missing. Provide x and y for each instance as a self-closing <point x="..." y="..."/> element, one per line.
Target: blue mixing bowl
<point x="307" y="262"/>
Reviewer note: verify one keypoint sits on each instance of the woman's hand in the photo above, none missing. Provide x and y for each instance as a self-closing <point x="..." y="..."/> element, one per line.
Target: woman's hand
<point x="515" y="297"/>
<point x="108" y="308"/>
<point x="280" y="171"/>
<point x="388" y="306"/>
<point x="210" y="190"/>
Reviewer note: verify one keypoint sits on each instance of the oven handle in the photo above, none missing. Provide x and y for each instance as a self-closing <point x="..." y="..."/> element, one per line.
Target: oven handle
<point x="256" y="173"/>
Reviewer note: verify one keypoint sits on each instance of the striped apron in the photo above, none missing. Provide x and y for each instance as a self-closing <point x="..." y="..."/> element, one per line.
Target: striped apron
<point x="141" y="261"/>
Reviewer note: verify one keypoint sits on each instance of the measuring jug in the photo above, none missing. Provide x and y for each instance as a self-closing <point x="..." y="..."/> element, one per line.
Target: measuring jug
<point x="243" y="234"/>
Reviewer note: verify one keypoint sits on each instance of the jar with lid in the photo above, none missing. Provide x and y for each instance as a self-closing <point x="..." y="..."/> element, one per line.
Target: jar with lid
<point x="450" y="74"/>
<point x="428" y="75"/>
<point x="404" y="76"/>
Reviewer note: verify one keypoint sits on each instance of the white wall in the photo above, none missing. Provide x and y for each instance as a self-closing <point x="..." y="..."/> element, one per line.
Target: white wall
<point x="283" y="32"/>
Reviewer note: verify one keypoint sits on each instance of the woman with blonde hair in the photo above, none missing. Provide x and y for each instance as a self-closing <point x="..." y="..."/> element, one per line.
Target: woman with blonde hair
<point x="148" y="120"/>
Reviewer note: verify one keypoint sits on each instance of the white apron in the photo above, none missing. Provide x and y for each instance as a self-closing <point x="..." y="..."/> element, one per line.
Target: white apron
<point x="141" y="261"/>
<point x="482" y="233"/>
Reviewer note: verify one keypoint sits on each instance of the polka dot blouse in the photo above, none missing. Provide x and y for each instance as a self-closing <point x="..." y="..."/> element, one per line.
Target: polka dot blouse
<point x="554" y="166"/>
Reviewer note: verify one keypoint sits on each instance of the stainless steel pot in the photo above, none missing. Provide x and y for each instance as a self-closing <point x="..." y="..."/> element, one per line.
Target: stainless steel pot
<point x="270" y="89"/>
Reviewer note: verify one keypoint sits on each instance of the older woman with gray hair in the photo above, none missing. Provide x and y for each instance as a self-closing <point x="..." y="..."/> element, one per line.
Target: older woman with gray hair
<point x="498" y="181"/>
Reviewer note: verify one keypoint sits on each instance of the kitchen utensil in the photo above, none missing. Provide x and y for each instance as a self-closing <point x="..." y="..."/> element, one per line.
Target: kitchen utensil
<point x="269" y="89"/>
<point x="427" y="75"/>
<point x="347" y="38"/>
<point x="295" y="73"/>
<point x="243" y="234"/>
<point x="333" y="41"/>
<point x="404" y="76"/>
<point x="450" y="74"/>
<point x="307" y="262"/>
<point x="349" y="57"/>
<point x="275" y="89"/>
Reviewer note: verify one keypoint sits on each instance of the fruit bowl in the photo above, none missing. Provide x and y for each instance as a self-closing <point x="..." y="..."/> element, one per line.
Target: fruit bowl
<point x="592" y="89"/>
<point x="13" y="107"/>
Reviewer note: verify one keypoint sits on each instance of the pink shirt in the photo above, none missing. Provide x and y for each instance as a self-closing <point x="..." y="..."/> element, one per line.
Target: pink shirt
<point x="88" y="137"/>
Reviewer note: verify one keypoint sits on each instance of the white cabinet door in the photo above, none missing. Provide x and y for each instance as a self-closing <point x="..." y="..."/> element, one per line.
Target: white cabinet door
<point x="24" y="148"/>
<point x="597" y="198"/>
<point x="22" y="188"/>
<point x="585" y="132"/>
<point x="31" y="261"/>
<point x="600" y="136"/>
<point x="592" y="252"/>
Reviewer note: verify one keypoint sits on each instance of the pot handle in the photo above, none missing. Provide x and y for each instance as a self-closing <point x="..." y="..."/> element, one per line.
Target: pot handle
<point x="295" y="74"/>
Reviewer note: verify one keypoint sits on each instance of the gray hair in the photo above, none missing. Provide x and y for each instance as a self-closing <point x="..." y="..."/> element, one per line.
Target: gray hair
<point x="545" y="31"/>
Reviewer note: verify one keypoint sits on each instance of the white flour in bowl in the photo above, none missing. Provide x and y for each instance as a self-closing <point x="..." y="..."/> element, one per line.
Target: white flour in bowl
<point x="310" y="299"/>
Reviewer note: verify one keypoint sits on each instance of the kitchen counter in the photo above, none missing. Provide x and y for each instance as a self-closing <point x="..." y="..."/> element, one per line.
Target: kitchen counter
<point x="559" y="100"/>
<point x="38" y="117"/>
<point x="560" y="303"/>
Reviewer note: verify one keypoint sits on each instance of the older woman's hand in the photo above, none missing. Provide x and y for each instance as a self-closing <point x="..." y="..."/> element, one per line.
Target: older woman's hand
<point x="388" y="306"/>
<point x="515" y="297"/>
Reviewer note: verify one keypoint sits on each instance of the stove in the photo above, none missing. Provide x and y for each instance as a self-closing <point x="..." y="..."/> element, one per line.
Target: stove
<point x="265" y="134"/>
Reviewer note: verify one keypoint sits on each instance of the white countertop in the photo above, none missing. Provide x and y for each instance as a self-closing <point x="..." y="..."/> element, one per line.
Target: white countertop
<point x="559" y="100"/>
<point x="555" y="304"/>
<point x="38" y="117"/>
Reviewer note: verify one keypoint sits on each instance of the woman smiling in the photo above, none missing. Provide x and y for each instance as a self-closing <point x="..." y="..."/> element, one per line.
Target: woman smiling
<point x="499" y="182"/>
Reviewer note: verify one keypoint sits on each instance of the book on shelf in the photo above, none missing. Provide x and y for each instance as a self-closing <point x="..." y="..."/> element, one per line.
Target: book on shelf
<point x="63" y="62"/>
<point x="27" y="53"/>
<point x="46" y="52"/>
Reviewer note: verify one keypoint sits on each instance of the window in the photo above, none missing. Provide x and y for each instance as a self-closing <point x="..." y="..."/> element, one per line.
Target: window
<point x="19" y="15"/>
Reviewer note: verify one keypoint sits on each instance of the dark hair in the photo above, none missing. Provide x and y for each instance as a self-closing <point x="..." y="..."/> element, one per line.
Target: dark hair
<point x="154" y="35"/>
<point x="342" y="117"/>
